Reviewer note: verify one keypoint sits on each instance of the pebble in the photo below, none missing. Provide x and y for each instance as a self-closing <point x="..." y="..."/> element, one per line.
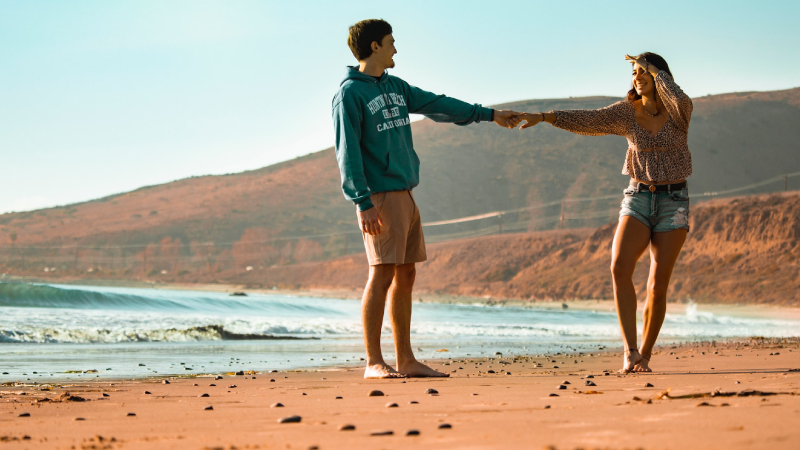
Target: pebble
<point x="204" y="395"/>
<point x="382" y="433"/>
<point x="347" y="427"/>
<point x="546" y="406"/>
<point x="212" y="384"/>
<point x="147" y="392"/>
<point x="648" y="385"/>
<point x="195" y="384"/>
<point x="431" y="391"/>
<point x="589" y="376"/>
<point x="24" y="414"/>
<point x="165" y="381"/>
<point x="565" y="382"/>
<point x="412" y="433"/>
<point x="131" y="414"/>
<point x="208" y="408"/>
<point x="508" y="373"/>
<point x="106" y="395"/>
<point x="491" y="371"/>
<point x="555" y="367"/>
<point x="339" y="398"/>
<point x="79" y="418"/>
<point x="241" y="372"/>
<point x="445" y="426"/>
<point x="217" y="377"/>
<point x="413" y="402"/>
<point x="562" y="387"/>
<point x="304" y="393"/>
<point x="553" y="395"/>
<point x="272" y="380"/>
<point x="375" y="393"/>
<point x="590" y="383"/>
<point x="232" y="386"/>
<point x="290" y="419"/>
<point x="498" y="353"/>
<point x="276" y="405"/>
<point x="391" y="405"/>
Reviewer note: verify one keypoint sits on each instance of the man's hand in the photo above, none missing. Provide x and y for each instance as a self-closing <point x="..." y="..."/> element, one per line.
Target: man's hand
<point x="530" y="119"/>
<point x="506" y="118"/>
<point x="370" y="221"/>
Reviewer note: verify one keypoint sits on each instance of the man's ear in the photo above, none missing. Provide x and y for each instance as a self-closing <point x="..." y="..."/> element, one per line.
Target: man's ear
<point x="375" y="46"/>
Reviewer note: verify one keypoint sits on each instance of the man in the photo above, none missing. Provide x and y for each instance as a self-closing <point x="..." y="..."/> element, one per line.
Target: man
<point x="379" y="169"/>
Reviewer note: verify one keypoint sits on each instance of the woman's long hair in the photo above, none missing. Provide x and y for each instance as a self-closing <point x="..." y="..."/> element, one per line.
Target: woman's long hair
<point x="655" y="60"/>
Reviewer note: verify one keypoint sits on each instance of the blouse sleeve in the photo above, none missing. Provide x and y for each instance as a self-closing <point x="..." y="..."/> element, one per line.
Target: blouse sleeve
<point x="678" y="104"/>
<point x="613" y="119"/>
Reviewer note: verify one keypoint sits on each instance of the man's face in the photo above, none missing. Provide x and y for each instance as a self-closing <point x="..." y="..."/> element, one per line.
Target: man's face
<point x="385" y="52"/>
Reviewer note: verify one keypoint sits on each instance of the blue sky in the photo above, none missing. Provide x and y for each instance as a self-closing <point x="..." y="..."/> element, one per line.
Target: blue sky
<point x="99" y="97"/>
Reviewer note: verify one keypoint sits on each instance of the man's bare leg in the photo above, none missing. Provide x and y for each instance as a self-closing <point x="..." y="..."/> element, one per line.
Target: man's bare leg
<point x="372" y="306"/>
<point x="400" y="307"/>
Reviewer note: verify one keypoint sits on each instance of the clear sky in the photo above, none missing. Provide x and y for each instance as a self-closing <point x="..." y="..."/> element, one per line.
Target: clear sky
<point x="99" y="97"/>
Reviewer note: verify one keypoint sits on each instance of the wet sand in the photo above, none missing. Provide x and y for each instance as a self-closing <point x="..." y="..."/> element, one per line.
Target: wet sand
<point x="756" y="406"/>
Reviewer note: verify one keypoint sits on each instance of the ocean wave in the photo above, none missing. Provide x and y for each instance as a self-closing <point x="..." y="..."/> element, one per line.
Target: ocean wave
<point x="107" y="336"/>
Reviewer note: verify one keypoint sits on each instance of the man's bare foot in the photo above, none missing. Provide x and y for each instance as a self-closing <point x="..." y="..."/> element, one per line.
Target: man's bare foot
<point x="630" y="359"/>
<point x="381" y="371"/>
<point x="418" y="370"/>
<point x="643" y="365"/>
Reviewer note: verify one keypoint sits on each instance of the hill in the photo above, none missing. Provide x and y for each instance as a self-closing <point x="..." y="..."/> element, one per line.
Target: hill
<point x="736" y="139"/>
<point x="741" y="250"/>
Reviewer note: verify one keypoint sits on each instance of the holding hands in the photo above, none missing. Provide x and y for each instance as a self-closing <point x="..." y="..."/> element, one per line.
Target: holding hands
<point x="507" y="118"/>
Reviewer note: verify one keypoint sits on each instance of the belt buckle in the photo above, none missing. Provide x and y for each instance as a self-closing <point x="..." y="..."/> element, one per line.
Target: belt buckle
<point x="652" y="188"/>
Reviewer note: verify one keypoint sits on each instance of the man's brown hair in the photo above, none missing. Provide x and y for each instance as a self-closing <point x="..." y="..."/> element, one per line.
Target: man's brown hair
<point x="364" y="33"/>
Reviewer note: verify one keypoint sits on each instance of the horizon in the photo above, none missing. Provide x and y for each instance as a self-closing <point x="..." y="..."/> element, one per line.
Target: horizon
<point x="134" y="94"/>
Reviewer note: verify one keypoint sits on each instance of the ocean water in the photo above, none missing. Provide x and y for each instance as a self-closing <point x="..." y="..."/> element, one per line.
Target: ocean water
<point x="55" y="332"/>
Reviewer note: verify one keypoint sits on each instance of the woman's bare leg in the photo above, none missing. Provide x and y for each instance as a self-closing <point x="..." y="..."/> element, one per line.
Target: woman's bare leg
<point x="630" y="242"/>
<point x="665" y="247"/>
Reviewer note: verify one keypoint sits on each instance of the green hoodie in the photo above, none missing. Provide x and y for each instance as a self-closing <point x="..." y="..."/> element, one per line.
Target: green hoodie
<point x="373" y="132"/>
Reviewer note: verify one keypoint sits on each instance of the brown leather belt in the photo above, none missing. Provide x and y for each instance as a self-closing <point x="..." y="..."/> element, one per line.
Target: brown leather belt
<point x="643" y="187"/>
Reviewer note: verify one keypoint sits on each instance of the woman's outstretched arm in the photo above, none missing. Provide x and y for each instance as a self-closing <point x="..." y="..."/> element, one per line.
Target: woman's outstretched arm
<point x="613" y="119"/>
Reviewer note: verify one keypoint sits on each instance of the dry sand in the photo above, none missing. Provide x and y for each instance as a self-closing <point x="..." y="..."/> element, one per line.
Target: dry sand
<point x="511" y="408"/>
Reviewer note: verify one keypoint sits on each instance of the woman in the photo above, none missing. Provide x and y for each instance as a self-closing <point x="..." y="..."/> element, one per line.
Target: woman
<point x="655" y="211"/>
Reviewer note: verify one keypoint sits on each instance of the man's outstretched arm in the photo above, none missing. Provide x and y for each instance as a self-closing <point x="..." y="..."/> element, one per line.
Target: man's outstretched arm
<point x="441" y="108"/>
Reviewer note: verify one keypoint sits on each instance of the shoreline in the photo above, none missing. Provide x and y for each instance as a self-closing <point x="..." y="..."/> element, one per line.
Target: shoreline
<point x="732" y="395"/>
<point x="604" y="305"/>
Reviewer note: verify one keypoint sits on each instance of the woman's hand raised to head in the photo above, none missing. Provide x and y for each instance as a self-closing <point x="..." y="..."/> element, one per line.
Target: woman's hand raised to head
<point x="643" y="63"/>
<point x="530" y="119"/>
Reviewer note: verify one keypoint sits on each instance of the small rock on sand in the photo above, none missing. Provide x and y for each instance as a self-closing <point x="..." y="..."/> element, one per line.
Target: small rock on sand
<point x="382" y="433"/>
<point x="165" y="381"/>
<point x="413" y="402"/>
<point x="339" y="398"/>
<point x="208" y="408"/>
<point x="79" y="418"/>
<point x="347" y="427"/>
<point x="391" y="405"/>
<point x="546" y="406"/>
<point x="147" y="392"/>
<point x="553" y="395"/>
<point x="212" y="384"/>
<point x="431" y="391"/>
<point x="375" y="393"/>
<point x="565" y="382"/>
<point x="232" y="386"/>
<point x="106" y="395"/>
<point x="24" y="414"/>
<point x="204" y="395"/>
<point x="241" y="372"/>
<point x="276" y="405"/>
<point x="412" y="433"/>
<point x="648" y="385"/>
<point x="217" y="377"/>
<point x="590" y="383"/>
<point x="445" y="426"/>
<point x="290" y="419"/>
<point x="589" y="376"/>
<point x="131" y="414"/>
<point x="562" y="387"/>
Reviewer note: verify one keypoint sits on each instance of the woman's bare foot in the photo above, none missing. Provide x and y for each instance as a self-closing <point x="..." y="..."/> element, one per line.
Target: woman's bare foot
<point x="630" y="359"/>
<point x="381" y="371"/>
<point x="418" y="370"/>
<point x="643" y="365"/>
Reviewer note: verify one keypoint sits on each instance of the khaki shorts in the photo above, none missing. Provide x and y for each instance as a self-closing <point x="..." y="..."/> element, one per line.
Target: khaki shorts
<point x="401" y="240"/>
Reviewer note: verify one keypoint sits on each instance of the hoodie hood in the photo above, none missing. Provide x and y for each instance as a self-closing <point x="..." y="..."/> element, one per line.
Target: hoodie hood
<point x="352" y="73"/>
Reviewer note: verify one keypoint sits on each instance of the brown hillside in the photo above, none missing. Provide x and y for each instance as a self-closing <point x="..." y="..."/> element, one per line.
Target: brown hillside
<point x="735" y="139"/>
<point x="742" y="250"/>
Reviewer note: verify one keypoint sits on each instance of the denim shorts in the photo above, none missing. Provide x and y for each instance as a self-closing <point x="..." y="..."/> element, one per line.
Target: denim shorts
<point x="660" y="211"/>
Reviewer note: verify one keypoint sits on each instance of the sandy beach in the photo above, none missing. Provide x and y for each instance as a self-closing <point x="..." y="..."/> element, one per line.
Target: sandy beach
<point x="731" y="395"/>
